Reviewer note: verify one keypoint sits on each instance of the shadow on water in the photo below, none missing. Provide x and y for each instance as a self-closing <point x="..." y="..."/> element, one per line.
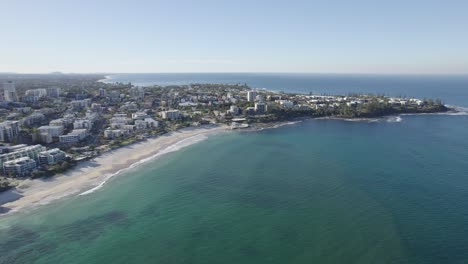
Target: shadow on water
<point x="91" y="228"/>
<point x="23" y="245"/>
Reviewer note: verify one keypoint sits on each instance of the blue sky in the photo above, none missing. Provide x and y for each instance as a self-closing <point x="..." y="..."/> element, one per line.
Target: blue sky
<point x="359" y="36"/>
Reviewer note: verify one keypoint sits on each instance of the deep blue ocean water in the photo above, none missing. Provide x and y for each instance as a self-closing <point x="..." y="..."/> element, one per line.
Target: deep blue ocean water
<point x="319" y="191"/>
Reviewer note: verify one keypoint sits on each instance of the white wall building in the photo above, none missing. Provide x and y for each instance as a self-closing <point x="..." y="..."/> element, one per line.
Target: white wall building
<point x="36" y="92"/>
<point x="251" y="96"/>
<point x="19" y="167"/>
<point x="113" y="133"/>
<point x="171" y="114"/>
<point x="22" y="151"/>
<point x="83" y="123"/>
<point x="286" y="103"/>
<point x="73" y="137"/>
<point x="52" y="156"/>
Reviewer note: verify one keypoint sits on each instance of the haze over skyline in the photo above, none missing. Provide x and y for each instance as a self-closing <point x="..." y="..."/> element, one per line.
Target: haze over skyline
<point x="363" y="36"/>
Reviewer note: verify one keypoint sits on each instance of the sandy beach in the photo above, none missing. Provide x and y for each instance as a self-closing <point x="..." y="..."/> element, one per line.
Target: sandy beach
<point x="90" y="175"/>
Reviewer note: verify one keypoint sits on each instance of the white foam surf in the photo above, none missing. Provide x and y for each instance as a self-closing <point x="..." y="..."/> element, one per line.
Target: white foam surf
<point x="394" y="119"/>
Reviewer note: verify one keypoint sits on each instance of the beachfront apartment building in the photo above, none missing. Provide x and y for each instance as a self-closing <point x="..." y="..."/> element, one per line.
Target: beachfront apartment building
<point x="119" y="120"/>
<point x="74" y="137"/>
<point x="285" y="103"/>
<point x="51" y="156"/>
<point x="146" y="123"/>
<point x="141" y="124"/>
<point x="22" y="151"/>
<point x="171" y="114"/>
<point x="113" y="133"/>
<point x="151" y="122"/>
<point x="19" y="167"/>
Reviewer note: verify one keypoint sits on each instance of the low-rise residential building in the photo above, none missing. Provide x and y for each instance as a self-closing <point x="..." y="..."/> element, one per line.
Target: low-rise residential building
<point x="146" y="123"/>
<point x="73" y="137"/>
<point x="24" y="110"/>
<point x="35" y="118"/>
<point x="141" y="124"/>
<point x="51" y="156"/>
<point x="65" y="121"/>
<point x="171" y="114"/>
<point x="20" y="151"/>
<point x="36" y="92"/>
<point x="151" y="122"/>
<point x="19" y="167"/>
<point x="83" y="123"/>
<point x="53" y="131"/>
<point x="96" y="107"/>
<point x="80" y="104"/>
<point x="119" y="120"/>
<point x="140" y="115"/>
<point x="113" y="133"/>
<point x="286" y="103"/>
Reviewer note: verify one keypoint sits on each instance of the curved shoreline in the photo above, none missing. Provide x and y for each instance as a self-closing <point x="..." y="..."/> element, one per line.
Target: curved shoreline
<point x="92" y="175"/>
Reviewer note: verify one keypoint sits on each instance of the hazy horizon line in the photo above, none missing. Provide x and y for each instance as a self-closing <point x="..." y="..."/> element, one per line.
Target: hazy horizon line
<point x="238" y="72"/>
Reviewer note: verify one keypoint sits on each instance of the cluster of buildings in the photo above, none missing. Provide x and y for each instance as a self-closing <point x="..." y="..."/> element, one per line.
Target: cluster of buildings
<point x="21" y="160"/>
<point x="121" y="124"/>
<point x="30" y="96"/>
<point x="75" y="117"/>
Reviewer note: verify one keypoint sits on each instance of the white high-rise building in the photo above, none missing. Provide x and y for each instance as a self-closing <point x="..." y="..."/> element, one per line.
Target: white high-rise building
<point x="9" y="131"/>
<point x="251" y="96"/>
<point x="9" y="92"/>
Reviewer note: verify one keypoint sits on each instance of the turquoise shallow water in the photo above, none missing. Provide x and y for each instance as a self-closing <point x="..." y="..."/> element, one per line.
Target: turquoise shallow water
<point x="321" y="191"/>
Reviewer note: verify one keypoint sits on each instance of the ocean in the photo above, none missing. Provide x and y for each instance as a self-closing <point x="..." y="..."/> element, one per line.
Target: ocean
<point x="318" y="191"/>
